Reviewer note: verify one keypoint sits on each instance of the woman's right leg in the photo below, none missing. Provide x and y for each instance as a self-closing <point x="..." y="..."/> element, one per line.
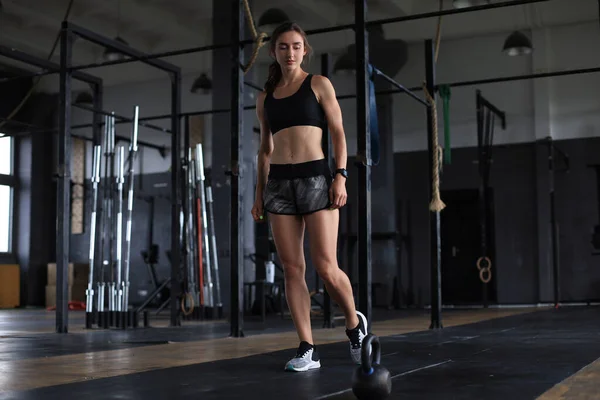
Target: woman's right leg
<point x="288" y="234"/>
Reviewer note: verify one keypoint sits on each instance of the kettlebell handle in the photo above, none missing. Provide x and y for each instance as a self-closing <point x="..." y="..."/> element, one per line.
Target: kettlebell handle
<point x="370" y="346"/>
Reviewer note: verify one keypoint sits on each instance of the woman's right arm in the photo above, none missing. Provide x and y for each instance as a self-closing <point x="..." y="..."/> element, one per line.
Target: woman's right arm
<point x="266" y="147"/>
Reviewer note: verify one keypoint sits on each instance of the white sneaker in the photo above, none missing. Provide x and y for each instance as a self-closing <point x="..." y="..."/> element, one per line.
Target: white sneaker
<point x="306" y="359"/>
<point x="356" y="337"/>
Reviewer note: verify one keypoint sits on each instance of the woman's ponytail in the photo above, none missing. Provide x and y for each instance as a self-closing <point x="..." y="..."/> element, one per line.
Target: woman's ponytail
<point x="274" y="77"/>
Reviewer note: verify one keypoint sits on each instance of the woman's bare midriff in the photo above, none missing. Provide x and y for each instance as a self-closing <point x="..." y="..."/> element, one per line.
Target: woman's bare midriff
<point x="297" y="144"/>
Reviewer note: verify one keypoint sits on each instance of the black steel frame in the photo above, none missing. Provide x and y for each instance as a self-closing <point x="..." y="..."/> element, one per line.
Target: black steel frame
<point x="237" y="130"/>
<point x="553" y="225"/>
<point x="97" y="94"/>
<point x="319" y="31"/>
<point x="364" y="231"/>
<point x="435" y="238"/>
<point x="555" y="237"/>
<point x="485" y="141"/>
<point x="63" y="190"/>
<point x="68" y="33"/>
<point x="328" y="320"/>
<point x="363" y="155"/>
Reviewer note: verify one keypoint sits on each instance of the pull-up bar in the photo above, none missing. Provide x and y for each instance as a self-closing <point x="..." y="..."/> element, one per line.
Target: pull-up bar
<point x="399" y="86"/>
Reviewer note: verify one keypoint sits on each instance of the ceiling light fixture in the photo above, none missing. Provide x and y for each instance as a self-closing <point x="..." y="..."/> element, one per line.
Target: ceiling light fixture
<point x="202" y="84"/>
<point x="517" y="44"/>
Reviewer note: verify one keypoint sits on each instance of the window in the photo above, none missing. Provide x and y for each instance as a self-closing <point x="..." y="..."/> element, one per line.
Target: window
<point x="6" y="155"/>
<point x="6" y="192"/>
<point x="5" y="218"/>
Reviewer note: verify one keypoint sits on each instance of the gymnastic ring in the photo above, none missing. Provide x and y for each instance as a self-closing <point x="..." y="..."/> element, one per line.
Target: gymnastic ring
<point x="487" y="260"/>
<point x="187" y="295"/>
<point x="482" y="272"/>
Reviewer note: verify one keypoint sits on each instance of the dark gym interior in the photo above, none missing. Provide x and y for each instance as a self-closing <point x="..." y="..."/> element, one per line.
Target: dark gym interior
<point x="493" y="295"/>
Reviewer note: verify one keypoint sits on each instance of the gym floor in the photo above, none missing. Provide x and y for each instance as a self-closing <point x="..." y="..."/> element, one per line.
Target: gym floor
<point x="493" y="354"/>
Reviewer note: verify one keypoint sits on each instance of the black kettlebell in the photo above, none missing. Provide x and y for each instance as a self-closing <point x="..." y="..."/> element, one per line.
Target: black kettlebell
<point x="371" y="380"/>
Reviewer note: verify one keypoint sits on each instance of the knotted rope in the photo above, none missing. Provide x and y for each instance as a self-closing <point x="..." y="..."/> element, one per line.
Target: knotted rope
<point x="260" y="39"/>
<point x="436" y="203"/>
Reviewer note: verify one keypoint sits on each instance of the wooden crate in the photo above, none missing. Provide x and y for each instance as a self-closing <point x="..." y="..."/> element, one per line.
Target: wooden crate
<point x="10" y="285"/>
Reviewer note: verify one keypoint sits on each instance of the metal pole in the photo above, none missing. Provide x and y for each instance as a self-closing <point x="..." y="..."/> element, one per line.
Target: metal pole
<point x="186" y="185"/>
<point x="482" y="130"/>
<point x="328" y="321"/>
<point x="103" y="225"/>
<point x="191" y="236"/>
<point x="185" y="176"/>
<point x="434" y="219"/>
<point x="63" y="201"/>
<point x="400" y="87"/>
<point x="553" y="224"/>
<point x="253" y="85"/>
<point x="201" y="192"/>
<point x="175" y="197"/>
<point x="89" y="305"/>
<point x="132" y="153"/>
<point x="212" y="249"/>
<point x="523" y="77"/>
<point x="119" y="257"/>
<point x="237" y="127"/>
<point x="111" y="223"/>
<point x="364" y="159"/>
<point x="109" y="217"/>
<point x="96" y="229"/>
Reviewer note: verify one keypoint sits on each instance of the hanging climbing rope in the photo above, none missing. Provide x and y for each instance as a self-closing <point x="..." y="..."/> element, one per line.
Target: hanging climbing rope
<point x="260" y="39"/>
<point x="436" y="202"/>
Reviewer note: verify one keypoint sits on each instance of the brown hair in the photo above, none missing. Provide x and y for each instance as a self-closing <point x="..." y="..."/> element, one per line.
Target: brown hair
<point x="274" y="69"/>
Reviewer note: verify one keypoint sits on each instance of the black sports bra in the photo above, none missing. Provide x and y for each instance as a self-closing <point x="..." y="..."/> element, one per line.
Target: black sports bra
<point x="300" y="108"/>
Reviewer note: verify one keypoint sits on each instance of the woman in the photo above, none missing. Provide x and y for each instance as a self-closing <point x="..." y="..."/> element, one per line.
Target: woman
<point x="296" y="187"/>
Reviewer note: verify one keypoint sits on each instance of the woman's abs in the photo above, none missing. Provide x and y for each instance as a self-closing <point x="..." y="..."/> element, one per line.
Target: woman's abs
<point x="297" y="144"/>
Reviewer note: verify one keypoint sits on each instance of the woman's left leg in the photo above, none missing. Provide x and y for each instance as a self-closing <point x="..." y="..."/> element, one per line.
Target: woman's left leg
<point x="322" y="230"/>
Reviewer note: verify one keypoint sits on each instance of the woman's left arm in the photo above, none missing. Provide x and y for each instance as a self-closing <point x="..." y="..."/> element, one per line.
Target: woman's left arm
<point x="333" y="113"/>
